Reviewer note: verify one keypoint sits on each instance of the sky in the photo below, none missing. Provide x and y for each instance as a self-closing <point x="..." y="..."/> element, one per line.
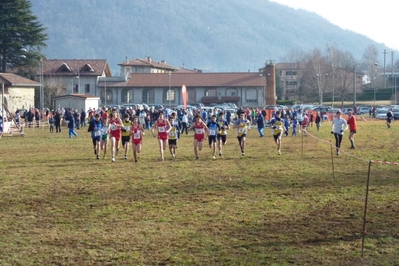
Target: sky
<point x="375" y="20"/>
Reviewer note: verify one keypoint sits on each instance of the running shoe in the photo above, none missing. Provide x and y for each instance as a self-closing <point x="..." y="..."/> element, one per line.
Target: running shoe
<point x="125" y="157"/>
<point x="113" y="159"/>
<point x="279" y="152"/>
<point x="213" y="157"/>
<point x="98" y="157"/>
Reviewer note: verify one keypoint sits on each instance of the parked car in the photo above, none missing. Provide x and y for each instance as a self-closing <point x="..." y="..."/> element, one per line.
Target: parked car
<point x="363" y="110"/>
<point x="303" y="107"/>
<point x="233" y="112"/>
<point x="395" y="113"/>
<point x="322" y="109"/>
<point x="197" y="105"/>
<point x="156" y="106"/>
<point x="381" y="114"/>
<point x="346" y="110"/>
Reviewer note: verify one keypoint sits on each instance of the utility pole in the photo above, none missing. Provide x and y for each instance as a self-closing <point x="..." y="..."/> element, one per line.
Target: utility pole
<point x="385" y="69"/>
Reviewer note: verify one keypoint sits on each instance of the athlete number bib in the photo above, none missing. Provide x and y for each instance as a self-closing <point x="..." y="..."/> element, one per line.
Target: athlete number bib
<point x="161" y="129"/>
<point x="199" y="131"/>
<point x="137" y="135"/>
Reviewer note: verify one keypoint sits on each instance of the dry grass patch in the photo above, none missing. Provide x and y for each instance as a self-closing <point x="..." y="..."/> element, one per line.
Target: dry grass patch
<point x="58" y="205"/>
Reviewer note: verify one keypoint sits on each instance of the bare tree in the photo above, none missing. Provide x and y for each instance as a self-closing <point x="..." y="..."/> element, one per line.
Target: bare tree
<point x="52" y="90"/>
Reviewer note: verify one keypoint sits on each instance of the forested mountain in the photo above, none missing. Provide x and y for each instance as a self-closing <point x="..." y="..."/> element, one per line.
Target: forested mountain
<point x="222" y="35"/>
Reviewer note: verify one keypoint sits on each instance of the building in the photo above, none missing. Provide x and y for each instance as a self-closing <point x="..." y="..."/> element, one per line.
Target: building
<point x="145" y="66"/>
<point x="76" y="76"/>
<point x="243" y="89"/>
<point x="17" y="92"/>
<point x="77" y="101"/>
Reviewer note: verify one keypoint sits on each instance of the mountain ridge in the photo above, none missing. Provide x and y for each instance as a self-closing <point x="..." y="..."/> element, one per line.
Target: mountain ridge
<point x="224" y="35"/>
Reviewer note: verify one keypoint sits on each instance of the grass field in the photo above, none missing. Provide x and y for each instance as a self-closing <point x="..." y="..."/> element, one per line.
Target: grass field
<point x="61" y="206"/>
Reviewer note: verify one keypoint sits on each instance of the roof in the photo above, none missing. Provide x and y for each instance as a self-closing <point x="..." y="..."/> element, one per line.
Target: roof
<point x="11" y="79"/>
<point x="148" y="62"/>
<point x="80" y="96"/>
<point x="244" y="79"/>
<point x="287" y="65"/>
<point x="70" y="67"/>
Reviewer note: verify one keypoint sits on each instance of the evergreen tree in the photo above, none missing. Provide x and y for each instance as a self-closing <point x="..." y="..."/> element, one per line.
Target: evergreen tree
<point x="19" y="30"/>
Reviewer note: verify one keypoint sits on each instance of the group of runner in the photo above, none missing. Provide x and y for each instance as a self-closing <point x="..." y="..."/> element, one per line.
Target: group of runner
<point x="112" y="129"/>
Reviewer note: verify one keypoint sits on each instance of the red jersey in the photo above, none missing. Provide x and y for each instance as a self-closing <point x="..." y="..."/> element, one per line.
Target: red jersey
<point x="162" y="130"/>
<point x="352" y="123"/>
<point x="136" y="131"/>
<point x="199" y="131"/>
<point x="115" y="131"/>
<point x="104" y="115"/>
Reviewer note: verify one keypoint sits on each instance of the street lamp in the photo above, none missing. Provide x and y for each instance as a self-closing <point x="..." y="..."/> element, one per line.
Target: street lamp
<point x="372" y="78"/>
<point x="105" y="90"/>
<point x="78" y="77"/>
<point x="354" y="86"/>
<point x="394" y="76"/>
<point x="169" y="94"/>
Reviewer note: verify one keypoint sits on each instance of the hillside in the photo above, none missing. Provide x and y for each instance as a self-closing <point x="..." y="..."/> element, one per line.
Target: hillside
<point x="223" y="35"/>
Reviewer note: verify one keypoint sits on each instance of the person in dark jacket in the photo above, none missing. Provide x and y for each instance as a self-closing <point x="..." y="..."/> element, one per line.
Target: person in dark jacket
<point x="71" y="125"/>
<point x="57" y="122"/>
<point x="260" y="121"/>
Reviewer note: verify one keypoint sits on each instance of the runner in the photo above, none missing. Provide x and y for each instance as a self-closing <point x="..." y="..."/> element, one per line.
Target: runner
<point x="162" y="126"/>
<point x="242" y="125"/>
<point x="96" y="134"/>
<point x="338" y="127"/>
<point x="389" y="118"/>
<point x="214" y="128"/>
<point x="126" y="133"/>
<point x="115" y="132"/>
<point x="222" y="134"/>
<point x="104" y="136"/>
<point x="277" y="125"/>
<point x="199" y="134"/>
<point x="305" y="123"/>
<point x="173" y="136"/>
<point x="1" y="126"/>
<point x="136" y="131"/>
<point x="352" y="128"/>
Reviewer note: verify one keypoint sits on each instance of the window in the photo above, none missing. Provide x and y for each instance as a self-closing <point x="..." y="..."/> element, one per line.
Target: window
<point x="191" y="95"/>
<point x="251" y="96"/>
<point x="290" y="83"/>
<point x="75" y="88"/>
<point x="110" y="97"/>
<point x="290" y="73"/>
<point x="168" y="95"/>
<point x="127" y="96"/>
<point x="87" y="88"/>
<point x="231" y="92"/>
<point x="210" y="92"/>
<point x="148" y="96"/>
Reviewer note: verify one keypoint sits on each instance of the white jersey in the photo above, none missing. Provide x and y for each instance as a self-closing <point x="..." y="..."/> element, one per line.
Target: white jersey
<point x="339" y="125"/>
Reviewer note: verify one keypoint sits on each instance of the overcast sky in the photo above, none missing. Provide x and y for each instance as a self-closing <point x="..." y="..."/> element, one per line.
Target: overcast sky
<point x="374" y="19"/>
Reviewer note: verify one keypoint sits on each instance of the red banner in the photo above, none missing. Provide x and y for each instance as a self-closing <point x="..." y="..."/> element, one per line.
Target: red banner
<point x="184" y="96"/>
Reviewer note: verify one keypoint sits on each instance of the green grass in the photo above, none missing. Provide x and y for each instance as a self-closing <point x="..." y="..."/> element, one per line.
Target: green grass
<point x="61" y="206"/>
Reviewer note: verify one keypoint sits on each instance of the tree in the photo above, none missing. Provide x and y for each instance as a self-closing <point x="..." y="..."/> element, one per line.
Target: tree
<point x="19" y="29"/>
